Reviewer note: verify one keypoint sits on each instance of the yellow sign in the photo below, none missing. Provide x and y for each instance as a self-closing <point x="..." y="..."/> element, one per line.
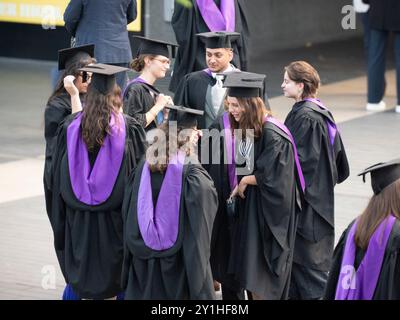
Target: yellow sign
<point x="48" y="13"/>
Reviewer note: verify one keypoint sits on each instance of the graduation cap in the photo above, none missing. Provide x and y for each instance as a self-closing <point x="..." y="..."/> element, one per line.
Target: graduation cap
<point x="103" y="78"/>
<point x="382" y="174"/>
<point x="70" y="55"/>
<point x="185" y="117"/>
<point x="244" y="84"/>
<point x="218" y="39"/>
<point x="142" y="45"/>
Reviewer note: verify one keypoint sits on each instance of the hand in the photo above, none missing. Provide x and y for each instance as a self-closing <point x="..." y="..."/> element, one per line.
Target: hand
<point x="234" y="192"/>
<point x="161" y="101"/>
<point x="170" y="101"/>
<point x="70" y="86"/>
<point x="242" y="187"/>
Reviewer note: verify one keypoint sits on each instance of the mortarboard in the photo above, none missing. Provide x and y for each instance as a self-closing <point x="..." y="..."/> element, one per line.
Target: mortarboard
<point x="218" y="39"/>
<point x="142" y="45"/>
<point x="382" y="174"/>
<point x="244" y="84"/>
<point x="103" y="78"/>
<point x="70" y="55"/>
<point x="185" y="117"/>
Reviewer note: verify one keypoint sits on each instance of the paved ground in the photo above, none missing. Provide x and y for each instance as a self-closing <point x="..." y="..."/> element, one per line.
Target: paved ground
<point x="27" y="259"/>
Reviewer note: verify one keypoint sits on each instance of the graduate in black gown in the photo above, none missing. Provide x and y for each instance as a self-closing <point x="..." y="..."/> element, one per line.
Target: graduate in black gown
<point x="142" y="100"/>
<point x="324" y="163"/>
<point x="366" y="261"/>
<point x="204" y="89"/>
<point x="252" y="247"/>
<point x="58" y="106"/>
<point x="169" y="209"/>
<point x="96" y="150"/>
<point x="207" y="16"/>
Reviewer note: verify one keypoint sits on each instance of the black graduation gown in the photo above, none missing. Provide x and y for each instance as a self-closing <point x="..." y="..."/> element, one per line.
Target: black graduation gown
<point x="323" y="166"/>
<point x="90" y="237"/>
<point x="56" y="111"/>
<point x="191" y="51"/>
<point x="192" y="92"/>
<point x="58" y="108"/>
<point x="221" y="240"/>
<point x="388" y="285"/>
<point x="138" y="100"/>
<point x="183" y="271"/>
<point x="265" y="228"/>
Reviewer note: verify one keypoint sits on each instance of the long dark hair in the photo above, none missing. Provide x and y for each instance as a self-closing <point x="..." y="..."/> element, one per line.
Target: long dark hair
<point x="97" y="114"/>
<point x="252" y="117"/>
<point x="71" y="69"/>
<point x="379" y="208"/>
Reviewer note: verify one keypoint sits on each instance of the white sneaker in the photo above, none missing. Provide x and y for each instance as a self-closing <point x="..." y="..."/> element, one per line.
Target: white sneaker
<point x="397" y="109"/>
<point x="376" y="106"/>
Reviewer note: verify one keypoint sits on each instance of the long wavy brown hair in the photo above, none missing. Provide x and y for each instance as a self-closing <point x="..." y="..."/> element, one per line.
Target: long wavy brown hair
<point x="252" y="117"/>
<point x="97" y="114"/>
<point x="158" y="152"/>
<point x="378" y="209"/>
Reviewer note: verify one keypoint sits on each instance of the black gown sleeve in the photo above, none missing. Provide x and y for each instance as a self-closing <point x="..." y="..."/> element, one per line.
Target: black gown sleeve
<point x="126" y="207"/>
<point x="57" y="215"/>
<point x="201" y="204"/>
<point x="309" y="135"/>
<point x="215" y="148"/>
<point x="330" y="289"/>
<point x="134" y="105"/>
<point x="244" y="44"/>
<point x="56" y="111"/>
<point x="388" y="286"/>
<point x="181" y="93"/>
<point x="135" y="145"/>
<point x="183" y="24"/>
<point x="276" y="181"/>
<point x="342" y="164"/>
<point x="53" y="116"/>
<point x="180" y="18"/>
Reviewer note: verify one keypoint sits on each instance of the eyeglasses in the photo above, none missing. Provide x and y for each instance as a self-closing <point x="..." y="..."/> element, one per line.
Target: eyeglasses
<point x="86" y="76"/>
<point x="163" y="61"/>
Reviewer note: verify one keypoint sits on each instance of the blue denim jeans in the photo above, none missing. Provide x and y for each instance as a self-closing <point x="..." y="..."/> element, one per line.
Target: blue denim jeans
<point x="366" y="30"/>
<point x="378" y="43"/>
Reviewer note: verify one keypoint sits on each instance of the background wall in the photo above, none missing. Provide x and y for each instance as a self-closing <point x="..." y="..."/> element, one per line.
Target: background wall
<point x="274" y="24"/>
<point x="281" y="24"/>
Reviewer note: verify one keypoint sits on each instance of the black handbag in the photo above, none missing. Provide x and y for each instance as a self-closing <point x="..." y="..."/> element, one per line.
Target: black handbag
<point x="232" y="206"/>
